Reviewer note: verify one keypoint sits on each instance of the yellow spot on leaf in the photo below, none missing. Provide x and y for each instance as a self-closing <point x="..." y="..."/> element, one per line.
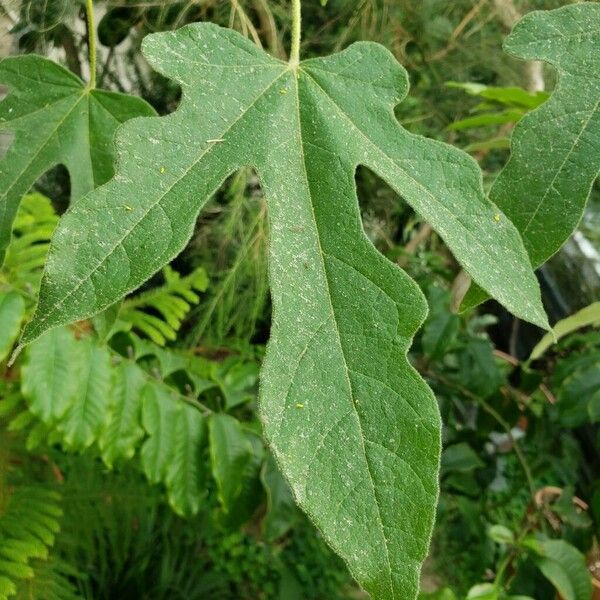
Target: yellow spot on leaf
<point x="299" y="405"/>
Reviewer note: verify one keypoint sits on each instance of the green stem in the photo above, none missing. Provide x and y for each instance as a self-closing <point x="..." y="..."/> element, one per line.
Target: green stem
<point x="296" y="30"/>
<point x="498" y="418"/>
<point x="91" y="27"/>
<point x="516" y="446"/>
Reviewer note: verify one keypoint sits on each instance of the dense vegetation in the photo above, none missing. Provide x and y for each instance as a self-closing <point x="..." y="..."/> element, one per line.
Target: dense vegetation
<point x="135" y="460"/>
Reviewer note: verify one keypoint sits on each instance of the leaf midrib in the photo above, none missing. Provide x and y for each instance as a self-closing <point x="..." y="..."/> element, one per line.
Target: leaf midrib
<point x="41" y="148"/>
<point x="339" y="340"/>
<point x="74" y="289"/>
<point x="450" y="215"/>
<point x="560" y="168"/>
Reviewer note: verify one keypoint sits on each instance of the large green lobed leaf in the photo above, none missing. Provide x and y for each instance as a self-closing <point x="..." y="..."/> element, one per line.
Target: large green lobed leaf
<point x="555" y="150"/>
<point x="355" y="430"/>
<point x="56" y="119"/>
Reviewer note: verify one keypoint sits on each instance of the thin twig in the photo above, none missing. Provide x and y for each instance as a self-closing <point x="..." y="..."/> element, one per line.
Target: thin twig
<point x="499" y="419"/>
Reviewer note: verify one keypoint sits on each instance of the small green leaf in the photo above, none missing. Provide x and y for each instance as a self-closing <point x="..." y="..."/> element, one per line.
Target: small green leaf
<point x="56" y="119"/>
<point x="441" y="326"/>
<point x="564" y="566"/>
<point x="12" y="311"/>
<point x="586" y="317"/>
<point x="487" y="120"/>
<point x="282" y="513"/>
<point x="443" y="594"/>
<point x="507" y="96"/>
<point x="501" y="534"/>
<point x="483" y="591"/>
<point x="236" y="459"/>
<point x="124" y="431"/>
<point x="460" y="457"/>
<point x="49" y="375"/>
<point x="237" y="380"/>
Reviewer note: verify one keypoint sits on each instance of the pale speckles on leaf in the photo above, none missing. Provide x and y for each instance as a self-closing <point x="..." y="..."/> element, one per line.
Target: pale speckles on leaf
<point x="74" y="128"/>
<point x="555" y="150"/>
<point x="335" y="382"/>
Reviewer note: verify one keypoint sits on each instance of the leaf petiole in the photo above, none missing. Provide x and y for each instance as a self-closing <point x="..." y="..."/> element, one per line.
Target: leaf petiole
<point x="296" y="32"/>
<point x="91" y="30"/>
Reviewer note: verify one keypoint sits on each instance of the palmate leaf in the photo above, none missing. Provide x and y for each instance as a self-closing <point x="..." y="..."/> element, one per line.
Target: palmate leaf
<point x="355" y="429"/>
<point x="555" y="154"/>
<point x="56" y="119"/>
<point x="555" y="150"/>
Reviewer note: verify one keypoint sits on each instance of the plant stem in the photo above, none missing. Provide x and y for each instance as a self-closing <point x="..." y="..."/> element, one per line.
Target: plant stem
<point x="91" y="30"/>
<point x="498" y="418"/>
<point x="296" y="30"/>
<point x="516" y="446"/>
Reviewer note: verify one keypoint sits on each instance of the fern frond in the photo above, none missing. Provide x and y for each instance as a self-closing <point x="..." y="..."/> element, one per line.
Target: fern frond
<point x="124" y="431"/>
<point x="79" y="397"/>
<point x="49" y="375"/>
<point x="50" y="581"/>
<point x="33" y="227"/>
<point x="28" y="527"/>
<point x="172" y="451"/>
<point x="89" y="413"/>
<point x="168" y="304"/>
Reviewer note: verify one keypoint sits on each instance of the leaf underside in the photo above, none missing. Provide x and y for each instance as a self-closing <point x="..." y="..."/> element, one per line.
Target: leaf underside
<point x="55" y="120"/>
<point x="555" y="150"/>
<point x="355" y="430"/>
